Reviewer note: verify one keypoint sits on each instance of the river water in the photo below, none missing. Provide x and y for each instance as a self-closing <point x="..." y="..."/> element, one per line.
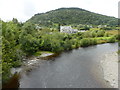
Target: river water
<point x="79" y="68"/>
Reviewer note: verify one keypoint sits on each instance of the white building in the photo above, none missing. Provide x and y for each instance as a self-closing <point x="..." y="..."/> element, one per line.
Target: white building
<point x="101" y="26"/>
<point x="68" y="29"/>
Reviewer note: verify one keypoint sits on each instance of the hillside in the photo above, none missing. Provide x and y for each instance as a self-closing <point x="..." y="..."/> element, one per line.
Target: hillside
<point x="67" y="16"/>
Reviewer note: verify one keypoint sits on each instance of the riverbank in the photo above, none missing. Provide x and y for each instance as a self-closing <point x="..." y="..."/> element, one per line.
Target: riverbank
<point x="33" y="61"/>
<point x="110" y="68"/>
<point x="29" y="64"/>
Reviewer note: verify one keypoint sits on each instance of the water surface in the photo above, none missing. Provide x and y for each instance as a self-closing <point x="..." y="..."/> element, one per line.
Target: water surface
<point x="79" y="68"/>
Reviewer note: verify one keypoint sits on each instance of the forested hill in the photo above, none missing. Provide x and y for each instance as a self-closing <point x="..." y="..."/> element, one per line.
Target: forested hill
<point x="67" y="16"/>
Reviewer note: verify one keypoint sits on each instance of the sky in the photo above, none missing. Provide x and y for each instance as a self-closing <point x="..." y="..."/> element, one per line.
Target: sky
<point x="25" y="9"/>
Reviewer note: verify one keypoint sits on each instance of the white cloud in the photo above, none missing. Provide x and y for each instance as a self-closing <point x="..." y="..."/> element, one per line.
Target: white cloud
<point x="10" y="9"/>
<point x="25" y="9"/>
<point x="29" y="8"/>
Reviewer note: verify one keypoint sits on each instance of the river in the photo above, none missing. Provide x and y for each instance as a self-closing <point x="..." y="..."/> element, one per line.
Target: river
<point x="78" y="68"/>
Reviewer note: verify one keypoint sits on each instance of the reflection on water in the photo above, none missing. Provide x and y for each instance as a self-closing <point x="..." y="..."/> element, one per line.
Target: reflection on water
<point x="13" y="83"/>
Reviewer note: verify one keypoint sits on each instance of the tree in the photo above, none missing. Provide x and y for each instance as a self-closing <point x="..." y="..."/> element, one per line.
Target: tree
<point x="15" y="21"/>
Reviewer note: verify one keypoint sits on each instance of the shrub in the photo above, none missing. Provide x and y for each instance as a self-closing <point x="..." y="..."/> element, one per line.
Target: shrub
<point x="111" y="40"/>
<point x="29" y="44"/>
<point x="100" y="33"/>
<point x="85" y="42"/>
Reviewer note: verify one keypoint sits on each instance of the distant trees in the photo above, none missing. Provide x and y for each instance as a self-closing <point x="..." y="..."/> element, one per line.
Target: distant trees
<point x="106" y="28"/>
<point x="15" y="21"/>
<point x="94" y="33"/>
<point x="59" y="27"/>
<point x="85" y="28"/>
<point x="69" y="16"/>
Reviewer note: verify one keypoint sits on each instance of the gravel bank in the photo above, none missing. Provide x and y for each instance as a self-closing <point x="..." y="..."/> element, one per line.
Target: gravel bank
<point x="31" y="63"/>
<point x="110" y="68"/>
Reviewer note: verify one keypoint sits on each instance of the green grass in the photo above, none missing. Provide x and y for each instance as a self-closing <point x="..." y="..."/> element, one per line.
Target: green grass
<point x="37" y="53"/>
<point x="101" y="40"/>
<point x="112" y="32"/>
<point x="41" y="52"/>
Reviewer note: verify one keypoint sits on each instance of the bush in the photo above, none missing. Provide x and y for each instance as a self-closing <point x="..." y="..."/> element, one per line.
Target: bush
<point x="106" y="34"/>
<point x="5" y="72"/>
<point x="29" y="44"/>
<point x="117" y="37"/>
<point x="85" y="42"/>
<point x="88" y="41"/>
<point x="106" y="28"/>
<point x="111" y="40"/>
<point x="100" y="33"/>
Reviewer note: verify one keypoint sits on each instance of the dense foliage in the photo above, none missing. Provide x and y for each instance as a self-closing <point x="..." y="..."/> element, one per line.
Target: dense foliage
<point x="69" y="16"/>
<point x="11" y="52"/>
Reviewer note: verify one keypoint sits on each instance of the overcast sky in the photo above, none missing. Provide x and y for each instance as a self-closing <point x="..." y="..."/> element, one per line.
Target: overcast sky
<point x="25" y="9"/>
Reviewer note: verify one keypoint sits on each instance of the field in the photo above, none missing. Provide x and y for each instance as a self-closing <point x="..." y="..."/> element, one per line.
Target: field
<point x="112" y="32"/>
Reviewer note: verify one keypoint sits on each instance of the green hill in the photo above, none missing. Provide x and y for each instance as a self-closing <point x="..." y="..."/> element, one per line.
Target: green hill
<point x="68" y="16"/>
